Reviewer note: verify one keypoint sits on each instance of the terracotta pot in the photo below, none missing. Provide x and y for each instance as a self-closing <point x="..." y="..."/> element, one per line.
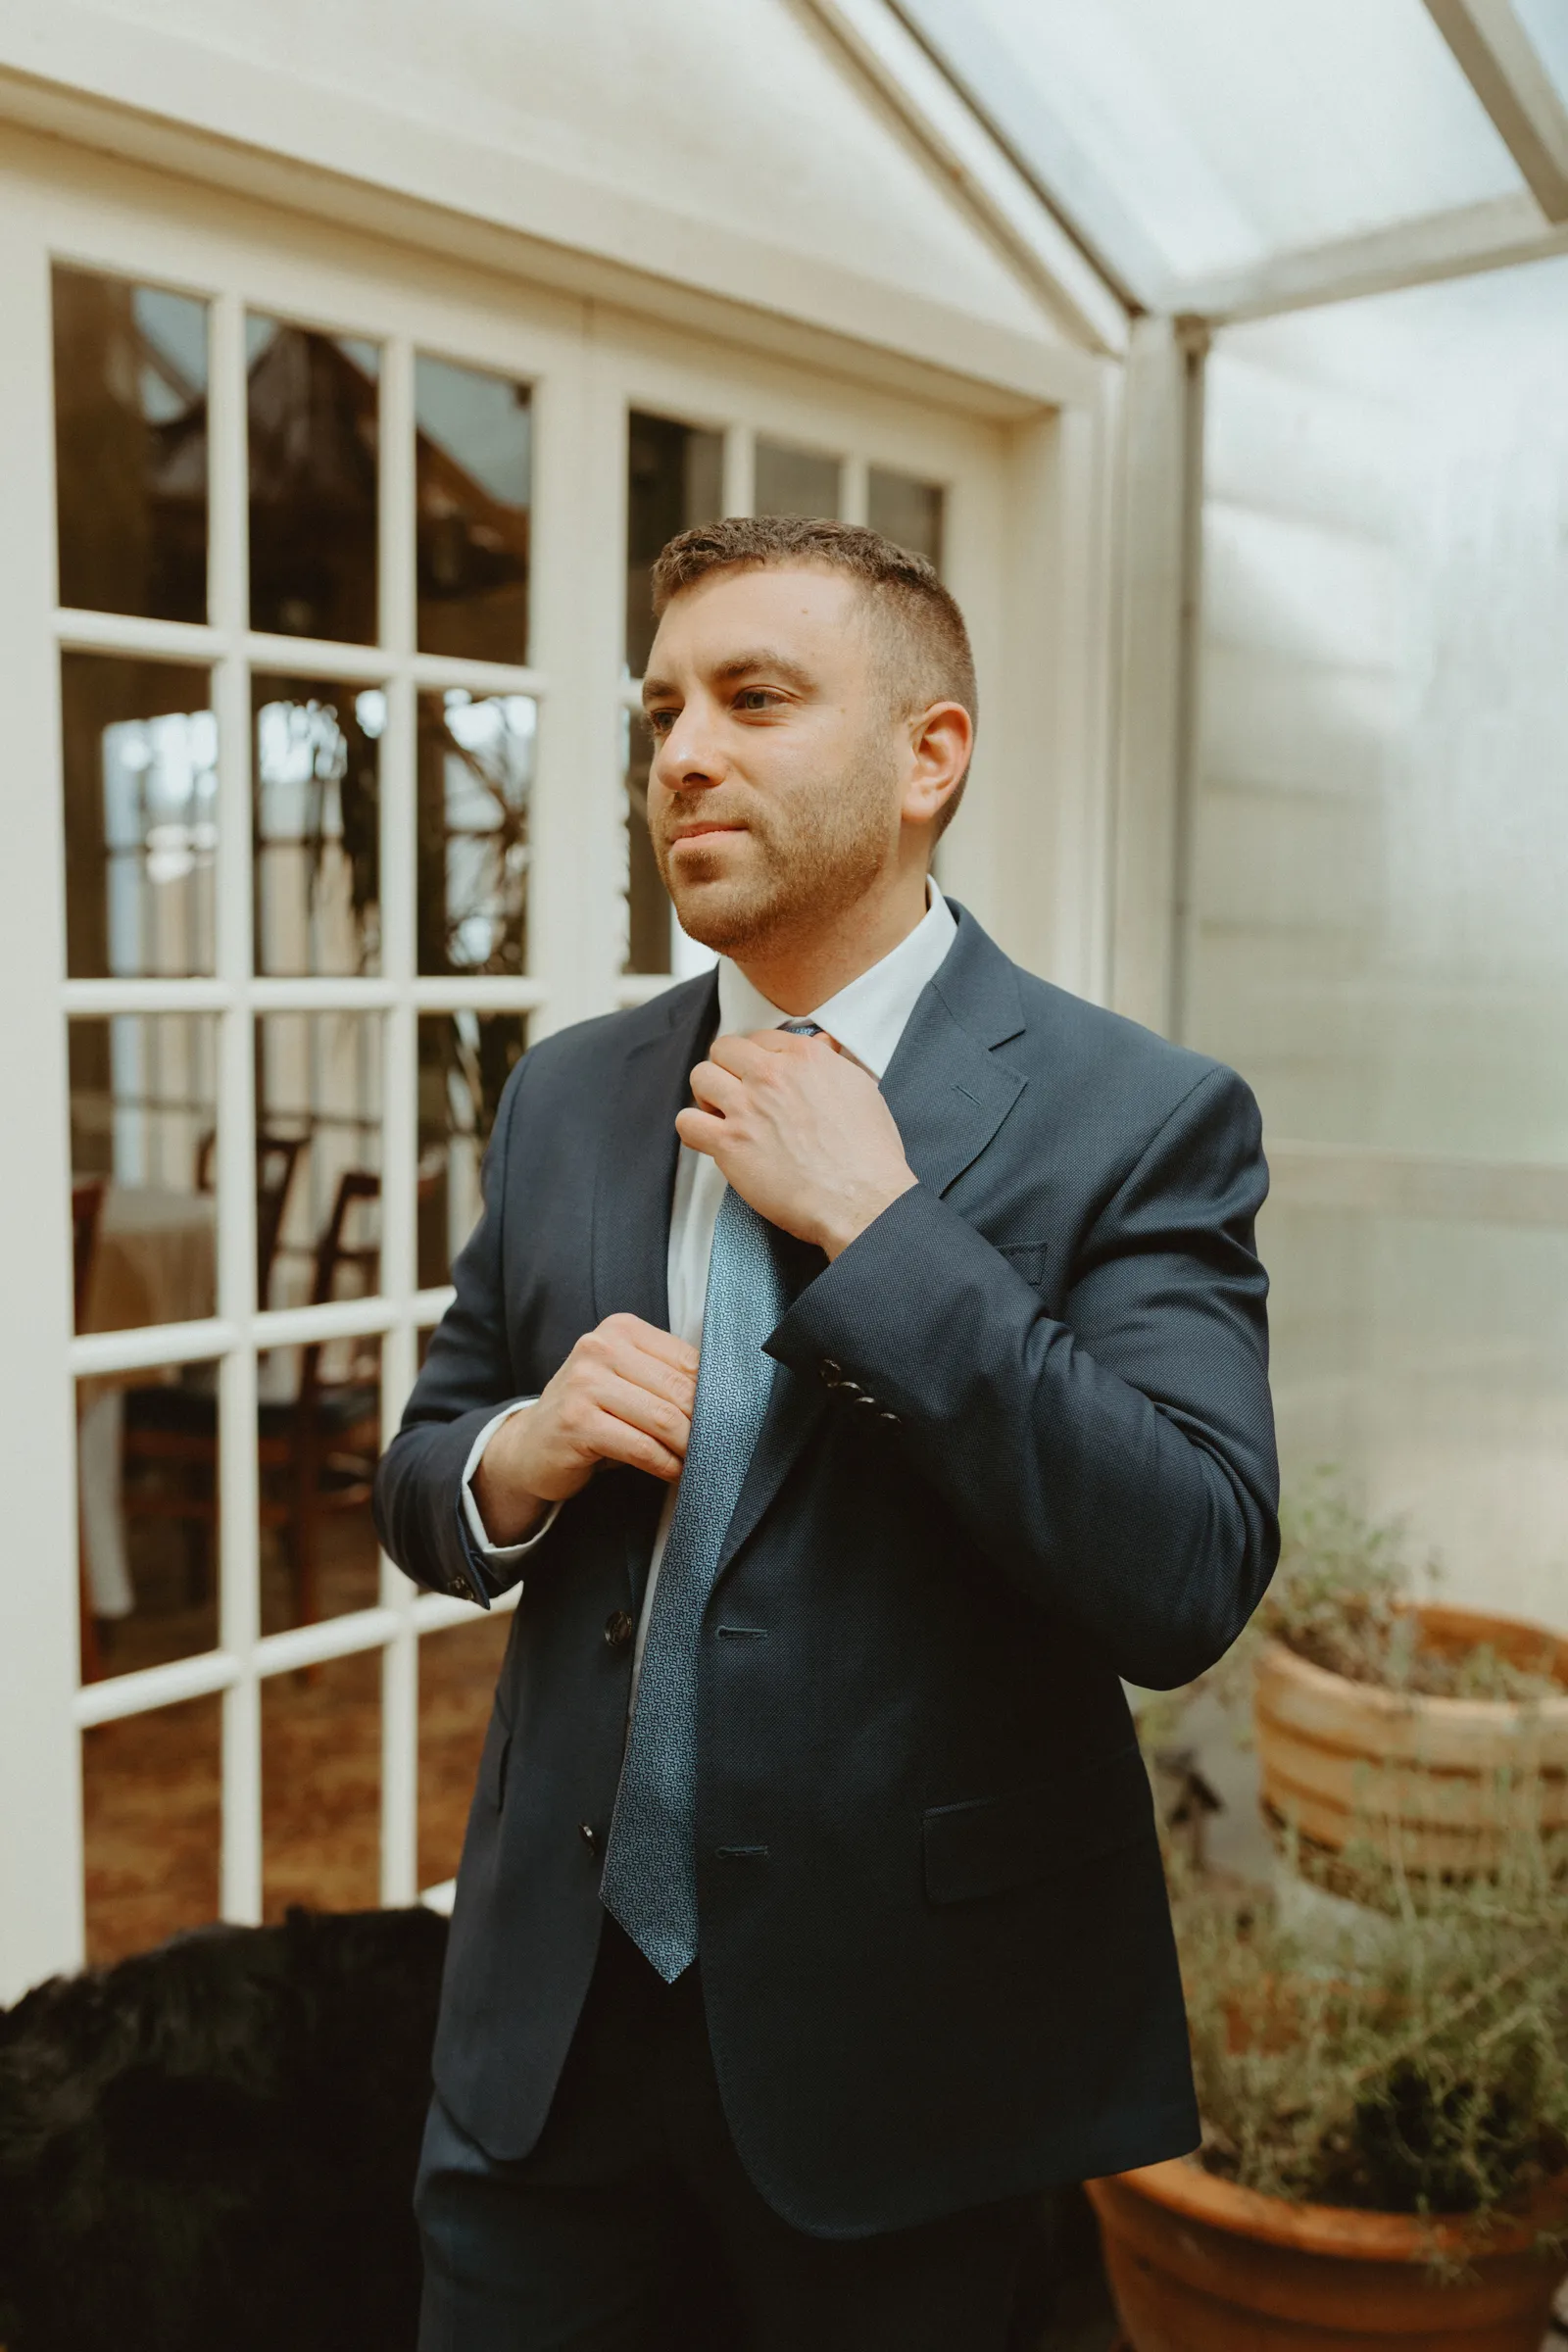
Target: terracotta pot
<point x="1198" y="2265"/>
<point x="1440" y="1780"/>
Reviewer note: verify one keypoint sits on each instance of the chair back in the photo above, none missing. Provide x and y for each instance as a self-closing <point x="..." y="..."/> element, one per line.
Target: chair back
<point x="333" y="1253"/>
<point x="86" y="1207"/>
<point x="276" y="1159"/>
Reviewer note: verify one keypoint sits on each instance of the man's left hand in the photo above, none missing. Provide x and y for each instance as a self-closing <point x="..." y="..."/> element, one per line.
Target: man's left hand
<point x="799" y="1131"/>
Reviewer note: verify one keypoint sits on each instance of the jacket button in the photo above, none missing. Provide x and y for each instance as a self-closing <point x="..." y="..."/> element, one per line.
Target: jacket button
<point x="460" y="1588"/>
<point x="867" y="1405"/>
<point x="892" y="1420"/>
<point x="618" y="1629"/>
<point x="831" y="1373"/>
<point x="589" y="1836"/>
<point x="852" y="1388"/>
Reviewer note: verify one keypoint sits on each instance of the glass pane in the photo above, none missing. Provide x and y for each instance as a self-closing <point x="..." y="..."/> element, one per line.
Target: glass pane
<point x="474" y="461"/>
<point x="315" y="811"/>
<point x="147" y="1501"/>
<point x="476" y="775"/>
<point x="1209" y="136"/>
<point x="1427" y="1362"/>
<point x="1379" y="868"/>
<point x="1381" y="852"/>
<point x="312" y="406"/>
<point x="1546" y="23"/>
<point x="130" y="447"/>
<point x="795" y="481"/>
<point x="152" y="1820"/>
<point x="143" y="1117"/>
<point x="674" y="479"/>
<point x="465" y="1061"/>
<point x="139" y="769"/>
<point x="907" y="512"/>
<point x="650" y="918"/>
<point x="319" y="1115"/>
<point x="318" y="1432"/>
<point x="321" y="1786"/>
<point x="458" y="1670"/>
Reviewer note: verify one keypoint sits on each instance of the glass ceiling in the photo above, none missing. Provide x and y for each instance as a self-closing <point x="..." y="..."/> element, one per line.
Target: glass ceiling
<point x="1186" y="141"/>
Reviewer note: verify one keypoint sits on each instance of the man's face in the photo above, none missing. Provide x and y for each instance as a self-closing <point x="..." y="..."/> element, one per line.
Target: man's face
<point x="775" y="791"/>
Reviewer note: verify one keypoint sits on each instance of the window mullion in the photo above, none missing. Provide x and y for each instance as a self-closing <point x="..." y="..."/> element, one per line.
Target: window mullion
<point x="240" y="1518"/>
<point x="400" y="1658"/>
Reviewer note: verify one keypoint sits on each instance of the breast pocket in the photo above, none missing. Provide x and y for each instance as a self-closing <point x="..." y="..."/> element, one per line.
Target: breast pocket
<point x="986" y="1845"/>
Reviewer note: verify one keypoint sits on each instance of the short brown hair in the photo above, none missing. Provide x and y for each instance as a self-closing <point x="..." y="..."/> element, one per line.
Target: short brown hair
<point x="929" y="660"/>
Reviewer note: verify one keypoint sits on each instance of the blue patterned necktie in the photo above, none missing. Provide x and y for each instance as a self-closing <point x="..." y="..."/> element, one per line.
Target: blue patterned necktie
<point x="650" y="1877"/>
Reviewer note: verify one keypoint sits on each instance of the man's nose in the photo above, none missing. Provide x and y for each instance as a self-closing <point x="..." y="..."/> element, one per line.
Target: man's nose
<point x="689" y="756"/>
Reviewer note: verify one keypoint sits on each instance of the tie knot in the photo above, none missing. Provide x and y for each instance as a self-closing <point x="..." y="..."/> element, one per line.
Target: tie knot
<point x="803" y="1028"/>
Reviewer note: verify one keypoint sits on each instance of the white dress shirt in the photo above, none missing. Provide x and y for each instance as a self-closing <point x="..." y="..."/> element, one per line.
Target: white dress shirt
<point x="866" y="1020"/>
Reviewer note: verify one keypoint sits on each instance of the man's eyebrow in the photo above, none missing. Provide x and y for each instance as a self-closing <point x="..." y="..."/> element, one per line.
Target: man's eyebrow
<point x="763" y="659"/>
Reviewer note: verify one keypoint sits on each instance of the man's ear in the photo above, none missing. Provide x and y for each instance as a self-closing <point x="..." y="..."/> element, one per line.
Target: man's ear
<point x="941" y="741"/>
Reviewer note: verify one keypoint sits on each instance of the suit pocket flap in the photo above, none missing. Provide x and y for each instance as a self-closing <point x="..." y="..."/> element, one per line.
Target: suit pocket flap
<point x="994" y="1843"/>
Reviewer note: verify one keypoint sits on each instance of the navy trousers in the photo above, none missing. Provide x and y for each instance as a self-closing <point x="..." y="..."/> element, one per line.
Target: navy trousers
<point x="633" y="2227"/>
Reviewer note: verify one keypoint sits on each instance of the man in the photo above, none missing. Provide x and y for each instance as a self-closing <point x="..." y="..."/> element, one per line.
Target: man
<point x="811" y="1918"/>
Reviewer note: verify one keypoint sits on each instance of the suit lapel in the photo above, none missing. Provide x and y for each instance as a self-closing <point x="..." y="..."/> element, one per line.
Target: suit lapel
<point x="948" y="1097"/>
<point x="638" y="1151"/>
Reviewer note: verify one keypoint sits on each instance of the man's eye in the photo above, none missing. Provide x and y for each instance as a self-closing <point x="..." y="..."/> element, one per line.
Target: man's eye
<point x="756" y="698"/>
<point x="660" y="722"/>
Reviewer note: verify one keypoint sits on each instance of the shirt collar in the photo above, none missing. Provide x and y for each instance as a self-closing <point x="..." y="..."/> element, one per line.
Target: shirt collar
<point x="869" y="1017"/>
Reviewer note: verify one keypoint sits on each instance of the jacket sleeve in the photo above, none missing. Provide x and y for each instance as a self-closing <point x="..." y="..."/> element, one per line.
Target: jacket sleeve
<point x="1117" y="1464"/>
<point x="466" y="1377"/>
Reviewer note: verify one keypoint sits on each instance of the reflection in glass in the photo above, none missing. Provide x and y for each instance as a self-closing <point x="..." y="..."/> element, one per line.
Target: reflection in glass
<point x="143" y="1116"/>
<point x="140" y="790"/>
<point x="317" y="813"/>
<point x="674" y="479"/>
<point x="476" y="773"/>
<point x="473" y="456"/>
<point x="464" y="1062"/>
<point x="650" y="918"/>
<point x="311" y="410"/>
<point x="318" y="1432"/>
<point x="321" y="1786"/>
<point x="130" y="447"/>
<point x="319" y="1089"/>
<point x="152" y="1826"/>
<point x="795" y="481"/>
<point x="907" y="512"/>
<point x="458" y="1670"/>
<point x="147" y="1497"/>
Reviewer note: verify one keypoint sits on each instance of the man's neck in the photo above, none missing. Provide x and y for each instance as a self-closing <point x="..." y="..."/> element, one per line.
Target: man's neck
<point x="805" y="972"/>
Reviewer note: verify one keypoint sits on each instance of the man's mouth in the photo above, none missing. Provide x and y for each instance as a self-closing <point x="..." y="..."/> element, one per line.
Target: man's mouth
<point x="688" y="833"/>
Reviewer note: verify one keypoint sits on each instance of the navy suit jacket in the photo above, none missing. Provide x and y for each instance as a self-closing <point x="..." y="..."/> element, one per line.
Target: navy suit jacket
<point x="1020" y="1446"/>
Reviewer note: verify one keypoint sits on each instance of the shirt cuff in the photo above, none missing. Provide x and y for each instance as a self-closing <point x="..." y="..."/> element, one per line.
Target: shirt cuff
<point x="500" y="1555"/>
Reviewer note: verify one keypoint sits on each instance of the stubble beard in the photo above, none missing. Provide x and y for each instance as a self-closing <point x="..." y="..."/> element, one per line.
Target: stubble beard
<point x="806" y="874"/>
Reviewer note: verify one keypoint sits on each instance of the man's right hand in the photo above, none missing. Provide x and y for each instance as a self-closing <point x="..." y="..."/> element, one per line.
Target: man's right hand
<point x="623" y="1394"/>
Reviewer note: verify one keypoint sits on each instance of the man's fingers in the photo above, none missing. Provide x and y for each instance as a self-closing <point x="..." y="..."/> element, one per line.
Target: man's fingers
<point x="655" y="1416"/>
<point x="651" y="1341"/>
<point x="717" y="1089"/>
<point x="617" y="1441"/>
<point x="700" y="1131"/>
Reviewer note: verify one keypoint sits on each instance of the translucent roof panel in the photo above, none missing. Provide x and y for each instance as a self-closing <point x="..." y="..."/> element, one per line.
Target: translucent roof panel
<point x="1187" y="141"/>
<point x="1546" y="23"/>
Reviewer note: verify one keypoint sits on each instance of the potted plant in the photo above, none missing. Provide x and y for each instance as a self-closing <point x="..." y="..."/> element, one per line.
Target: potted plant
<point x="1385" y="2156"/>
<point x="1422" y="1729"/>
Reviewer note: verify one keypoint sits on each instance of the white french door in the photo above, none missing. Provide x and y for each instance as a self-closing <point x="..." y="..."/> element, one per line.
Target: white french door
<point x="321" y="621"/>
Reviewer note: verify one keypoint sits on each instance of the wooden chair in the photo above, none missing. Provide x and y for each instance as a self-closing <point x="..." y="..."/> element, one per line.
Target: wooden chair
<point x="173" y="1429"/>
<point x="317" y="1449"/>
